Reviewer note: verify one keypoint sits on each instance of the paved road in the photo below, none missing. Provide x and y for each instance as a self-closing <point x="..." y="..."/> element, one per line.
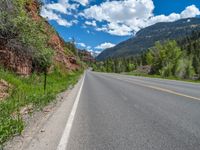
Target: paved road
<point x="118" y="112"/>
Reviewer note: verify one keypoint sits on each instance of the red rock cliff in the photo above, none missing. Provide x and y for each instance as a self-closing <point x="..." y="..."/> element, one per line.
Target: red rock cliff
<point x="22" y="64"/>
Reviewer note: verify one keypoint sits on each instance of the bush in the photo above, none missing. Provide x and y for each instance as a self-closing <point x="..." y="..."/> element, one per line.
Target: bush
<point x="165" y="58"/>
<point x="23" y="34"/>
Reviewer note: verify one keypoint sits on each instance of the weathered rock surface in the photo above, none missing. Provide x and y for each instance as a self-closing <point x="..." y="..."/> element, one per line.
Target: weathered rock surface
<point x="4" y="89"/>
<point x="19" y="63"/>
<point x="86" y="56"/>
<point x="22" y="64"/>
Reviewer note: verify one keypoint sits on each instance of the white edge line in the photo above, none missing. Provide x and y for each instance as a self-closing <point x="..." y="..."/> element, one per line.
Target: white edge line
<point x="65" y="136"/>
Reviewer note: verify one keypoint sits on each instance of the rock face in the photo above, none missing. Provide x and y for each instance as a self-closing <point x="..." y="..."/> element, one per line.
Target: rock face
<point x="55" y="41"/>
<point x="19" y="63"/>
<point x="86" y="56"/>
<point x="22" y="64"/>
<point x="32" y="9"/>
<point x="144" y="69"/>
<point x="4" y="89"/>
<point x="60" y="57"/>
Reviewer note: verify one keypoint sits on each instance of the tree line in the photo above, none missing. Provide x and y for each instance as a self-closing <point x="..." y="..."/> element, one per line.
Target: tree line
<point x="180" y="58"/>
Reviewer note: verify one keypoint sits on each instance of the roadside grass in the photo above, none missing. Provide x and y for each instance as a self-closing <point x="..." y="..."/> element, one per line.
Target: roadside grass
<point x="29" y="92"/>
<point x="134" y="73"/>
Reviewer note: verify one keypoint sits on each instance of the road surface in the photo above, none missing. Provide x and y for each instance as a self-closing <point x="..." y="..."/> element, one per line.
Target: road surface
<point x="118" y="112"/>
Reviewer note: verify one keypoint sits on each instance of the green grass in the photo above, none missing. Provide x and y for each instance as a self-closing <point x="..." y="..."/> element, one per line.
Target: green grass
<point x="29" y="91"/>
<point x="134" y="73"/>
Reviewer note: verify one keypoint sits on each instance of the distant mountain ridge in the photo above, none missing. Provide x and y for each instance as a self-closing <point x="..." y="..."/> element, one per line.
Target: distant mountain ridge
<point x="146" y="37"/>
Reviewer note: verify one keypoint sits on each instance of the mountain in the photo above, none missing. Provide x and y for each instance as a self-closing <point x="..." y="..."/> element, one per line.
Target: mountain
<point x="146" y="37"/>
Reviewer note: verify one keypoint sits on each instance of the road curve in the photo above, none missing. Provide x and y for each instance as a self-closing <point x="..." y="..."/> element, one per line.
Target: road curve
<point x="118" y="112"/>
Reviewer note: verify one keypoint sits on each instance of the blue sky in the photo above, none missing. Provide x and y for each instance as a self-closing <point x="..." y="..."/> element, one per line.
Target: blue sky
<point x="96" y="25"/>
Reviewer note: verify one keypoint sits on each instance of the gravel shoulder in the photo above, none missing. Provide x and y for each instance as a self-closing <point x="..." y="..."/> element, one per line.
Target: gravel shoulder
<point x="44" y="128"/>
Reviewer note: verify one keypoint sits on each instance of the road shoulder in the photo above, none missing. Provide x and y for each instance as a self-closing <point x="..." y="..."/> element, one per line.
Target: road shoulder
<point x="44" y="128"/>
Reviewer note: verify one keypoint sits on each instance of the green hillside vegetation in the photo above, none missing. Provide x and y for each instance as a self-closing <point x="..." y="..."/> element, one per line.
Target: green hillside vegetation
<point x="179" y="59"/>
<point x="28" y="92"/>
<point x="147" y="37"/>
<point x="19" y="32"/>
<point x="23" y="34"/>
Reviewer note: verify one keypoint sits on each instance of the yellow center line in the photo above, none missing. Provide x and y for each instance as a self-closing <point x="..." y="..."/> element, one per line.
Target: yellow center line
<point x="158" y="88"/>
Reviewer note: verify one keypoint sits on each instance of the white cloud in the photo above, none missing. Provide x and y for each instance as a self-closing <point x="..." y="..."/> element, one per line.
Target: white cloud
<point x="117" y="17"/>
<point x="92" y="23"/>
<point x="62" y="7"/>
<point x="89" y="47"/>
<point x="75" y="21"/>
<point x="94" y="53"/>
<point x="81" y="44"/>
<point x="63" y="22"/>
<point x="116" y="29"/>
<point x="53" y="11"/>
<point x="104" y="46"/>
<point x="190" y="11"/>
<point x="124" y="17"/>
<point x="57" y="7"/>
<point x="50" y="15"/>
<point x="82" y="2"/>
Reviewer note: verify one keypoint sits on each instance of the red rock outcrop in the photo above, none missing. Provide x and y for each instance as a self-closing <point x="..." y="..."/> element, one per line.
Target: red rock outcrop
<point x="4" y="89"/>
<point x="86" y="56"/>
<point x="22" y="64"/>
<point x="17" y="62"/>
<point x="55" y="41"/>
<point x="57" y="44"/>
<point x="32" y="8"/>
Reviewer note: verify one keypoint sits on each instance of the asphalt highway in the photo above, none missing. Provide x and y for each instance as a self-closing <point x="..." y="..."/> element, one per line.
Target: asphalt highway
<point x="119" y="112"/>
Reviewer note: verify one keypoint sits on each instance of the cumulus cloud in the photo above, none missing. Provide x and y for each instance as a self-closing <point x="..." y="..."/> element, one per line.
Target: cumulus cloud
<point x="128" y="16"/>
<point x="190" y="11"/>
<point x="94" y="53"/>
<point x="89" y="47"/>
<point x="57" y="7"/>
<point x="82" y="2"/>
<point x="92" y="23"/>
<point x="116" y="29"/>
<point x="50" y="15"/>
<point x="62" y="6"/>
<point x="116" y="17"/>
<point x="64" y="22"/>
<point x="81" y="44"/>
<point x="104" y="46"/>
<point x="53" y="11"/>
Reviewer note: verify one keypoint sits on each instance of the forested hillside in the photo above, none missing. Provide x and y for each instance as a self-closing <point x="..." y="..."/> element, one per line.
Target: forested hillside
<point x="180" y="59"/>
<point x="35" y="64"/>
<point x="147" y="37"/>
